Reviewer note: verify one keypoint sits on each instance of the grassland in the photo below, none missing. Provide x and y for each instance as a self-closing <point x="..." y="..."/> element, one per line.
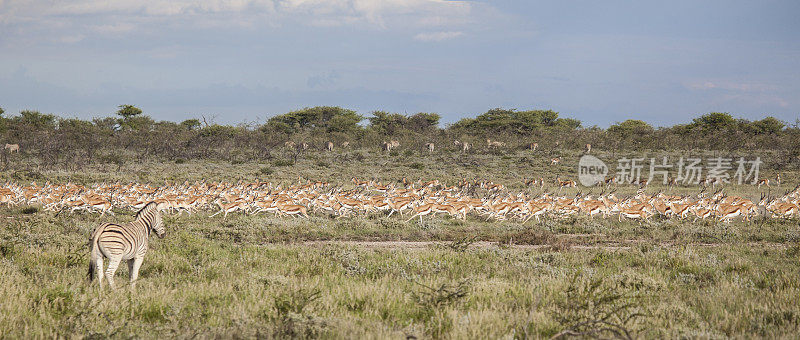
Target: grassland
<point x="268" y="277"/>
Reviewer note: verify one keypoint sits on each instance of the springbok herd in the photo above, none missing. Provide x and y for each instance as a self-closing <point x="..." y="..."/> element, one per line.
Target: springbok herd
<point x="482" y="199"/>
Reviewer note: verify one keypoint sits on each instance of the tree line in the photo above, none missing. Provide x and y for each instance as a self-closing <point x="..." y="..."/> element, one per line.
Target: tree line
<point x="130" y="134"/>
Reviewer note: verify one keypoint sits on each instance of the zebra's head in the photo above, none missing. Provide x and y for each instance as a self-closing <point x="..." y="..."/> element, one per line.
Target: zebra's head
<point x="151" y="214"/>
<point x="158" y="226"/>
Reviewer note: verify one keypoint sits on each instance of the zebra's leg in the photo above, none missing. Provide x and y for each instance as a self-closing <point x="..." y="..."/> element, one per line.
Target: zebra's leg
<point x="98" y="269"/>
<point x="130" y="267"/>
<point x="113" y="263"/>
<point x="135" y="264"/>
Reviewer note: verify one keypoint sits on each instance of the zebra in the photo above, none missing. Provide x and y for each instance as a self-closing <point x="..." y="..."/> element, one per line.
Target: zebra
<point x="124" y="242"/>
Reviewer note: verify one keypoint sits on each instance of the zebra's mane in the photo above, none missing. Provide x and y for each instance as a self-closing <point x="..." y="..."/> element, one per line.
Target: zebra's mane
<point x="149" y="206"/>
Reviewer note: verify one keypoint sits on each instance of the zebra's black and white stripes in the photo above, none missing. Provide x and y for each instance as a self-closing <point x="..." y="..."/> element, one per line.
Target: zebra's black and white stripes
<point x="124" y="242"/>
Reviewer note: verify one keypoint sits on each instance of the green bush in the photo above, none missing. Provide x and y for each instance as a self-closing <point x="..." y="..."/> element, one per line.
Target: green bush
<point x="316" y="119"/>
<point x="283" y="162"/>
<point x="599" y="308"/>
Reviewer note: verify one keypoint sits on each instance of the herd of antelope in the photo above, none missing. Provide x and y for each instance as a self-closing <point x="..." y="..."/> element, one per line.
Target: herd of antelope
<point x="479" y="199"/>
<point x="430" y="147"/>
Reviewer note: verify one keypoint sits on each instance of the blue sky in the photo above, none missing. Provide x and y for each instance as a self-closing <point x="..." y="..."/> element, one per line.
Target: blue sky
<point x="247" y="60"/>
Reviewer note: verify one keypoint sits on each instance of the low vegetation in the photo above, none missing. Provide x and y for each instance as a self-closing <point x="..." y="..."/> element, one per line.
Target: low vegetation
<point x="261" y="277"/>
<point x="381" y="277"/>
<point x="131" y="136"/>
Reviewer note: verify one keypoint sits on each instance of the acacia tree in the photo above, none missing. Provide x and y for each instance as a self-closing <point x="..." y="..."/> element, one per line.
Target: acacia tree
<point x="128" y="111"/>
<point x="391" y="123"/>
<point x="191" y="124"/>
<point x="320" y="119"/>
<point x="133" y="119"/>
<point x="515" y="122"/>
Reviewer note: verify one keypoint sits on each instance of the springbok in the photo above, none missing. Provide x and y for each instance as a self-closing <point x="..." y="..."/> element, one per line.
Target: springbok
<point x="726" y="212"/>
<point x="565" y="184"/>
<point x="228" y="207"/>
<point x="421" y="210"/>
<point x="782" y="209"/>
<point x="534" y="181"/>
<point x="292" y="209"/>
<point x="430" y="147"/>
<point x="11" y="148"/>
<point x="493" y="144"/>
<point x="388" y="146"/>
<point x="640" y="211"/>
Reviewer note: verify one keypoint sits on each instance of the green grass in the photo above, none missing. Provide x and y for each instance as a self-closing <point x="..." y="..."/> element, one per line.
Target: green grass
<point x="194" y="283"/>
<point x="263" y="276"/>
<point x="251" y="276"/>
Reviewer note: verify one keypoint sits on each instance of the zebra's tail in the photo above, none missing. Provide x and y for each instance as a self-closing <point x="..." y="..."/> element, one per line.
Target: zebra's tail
<point x="95" y="251"/>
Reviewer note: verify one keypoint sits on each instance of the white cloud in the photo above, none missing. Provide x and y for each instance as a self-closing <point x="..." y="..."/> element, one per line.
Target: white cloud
<point x="115" y="28"/>
<point x="40" y="20"/>
<point x="376" y="12"/>
<point x="379" y="13"/>
<point x="731" y="86"/>
<point x="157" y="8"/>
<point x="437" y="36"/>
<point x="701" y="85"/>
<point x="71" y="39"/>
<point x="741" y="92"/>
